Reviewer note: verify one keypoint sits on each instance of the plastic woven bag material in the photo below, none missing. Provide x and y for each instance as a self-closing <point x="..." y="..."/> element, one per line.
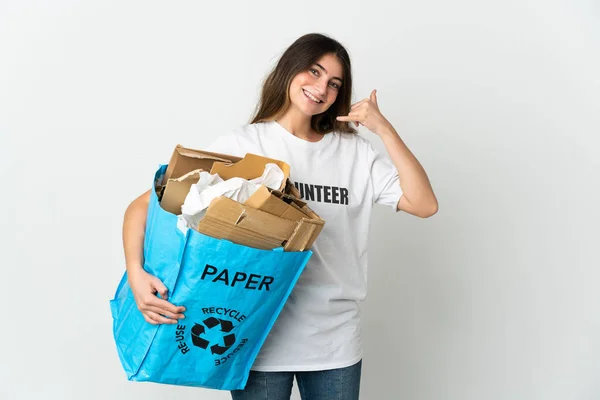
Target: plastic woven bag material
<point x="232" y="293"/>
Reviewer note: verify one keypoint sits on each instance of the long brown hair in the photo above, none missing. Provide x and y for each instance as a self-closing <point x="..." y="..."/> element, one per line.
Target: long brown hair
<point x="299" y="57"/>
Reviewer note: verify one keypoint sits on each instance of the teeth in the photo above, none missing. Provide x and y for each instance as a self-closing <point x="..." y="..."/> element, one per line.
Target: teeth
<point x="310" y="96"/>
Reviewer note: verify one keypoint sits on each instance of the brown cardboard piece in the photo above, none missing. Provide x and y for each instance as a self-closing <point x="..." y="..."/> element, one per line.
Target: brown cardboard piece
<point x="250" y="167"/>
<point x="239" y="223"/>
<point x="178" y="178"/>
<point x="268" y="219"/>
<point x="177" y="190"/>
<point x="185" y="160"/>
<point x="271" y="202"/>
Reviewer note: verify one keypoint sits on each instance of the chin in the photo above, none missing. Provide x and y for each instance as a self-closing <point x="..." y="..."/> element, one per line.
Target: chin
<point x="311" y="111"/>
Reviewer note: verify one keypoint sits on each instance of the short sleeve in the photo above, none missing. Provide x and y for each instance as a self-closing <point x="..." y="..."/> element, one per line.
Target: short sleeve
<point x="225" y="144"/>
<point x="386" y="183"/>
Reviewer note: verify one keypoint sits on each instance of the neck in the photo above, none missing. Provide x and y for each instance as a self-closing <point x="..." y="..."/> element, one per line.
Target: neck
<point x="298" y="124"/>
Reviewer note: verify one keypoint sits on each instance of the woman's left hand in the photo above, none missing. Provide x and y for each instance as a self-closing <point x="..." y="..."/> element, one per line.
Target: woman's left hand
<point x="366" y="112"/>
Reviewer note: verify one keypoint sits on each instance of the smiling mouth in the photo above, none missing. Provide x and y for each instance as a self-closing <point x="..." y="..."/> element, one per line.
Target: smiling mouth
<point x="311" y="97"/>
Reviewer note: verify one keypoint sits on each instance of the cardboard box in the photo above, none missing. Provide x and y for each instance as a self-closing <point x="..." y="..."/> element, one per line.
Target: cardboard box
<point x="228" y="219"/>
<point x="268" y="219"/>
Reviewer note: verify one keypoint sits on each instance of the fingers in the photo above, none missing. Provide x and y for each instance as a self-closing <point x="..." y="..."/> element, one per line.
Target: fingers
<point x="358" y="103"/>
<point x="349" y="118"/>
<point x="160" y="288"/>
<point x="158" y="311"/>
<point x="164" y="305"/>
<point x="360" y="110"/>
<point x="354" y="116"/>
<point x="373" y="96"/>
<point x="168" y="314"/>
<point x="371" y="99"/>
<point x="155" y="318"/>
<point x="151" y="303"/>
<point x="160" y="306"/>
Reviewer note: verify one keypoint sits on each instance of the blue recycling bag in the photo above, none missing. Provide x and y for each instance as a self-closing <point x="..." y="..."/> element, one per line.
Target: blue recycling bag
<point x="232" y="294"/>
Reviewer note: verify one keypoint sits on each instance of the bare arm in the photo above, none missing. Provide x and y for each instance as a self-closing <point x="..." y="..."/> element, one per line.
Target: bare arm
<point x="144" y="285"/>
<point x="418" y="197"/>
<point x="134" y="227"/>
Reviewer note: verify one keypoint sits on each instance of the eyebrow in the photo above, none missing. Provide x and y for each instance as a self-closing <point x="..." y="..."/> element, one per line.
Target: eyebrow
<point x="324" y="70"/>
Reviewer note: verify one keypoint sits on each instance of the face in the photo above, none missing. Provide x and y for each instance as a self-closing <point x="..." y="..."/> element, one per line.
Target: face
<point x="315" y="90"/>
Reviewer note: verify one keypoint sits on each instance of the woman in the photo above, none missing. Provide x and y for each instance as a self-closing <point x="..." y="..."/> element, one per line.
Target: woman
<point x="304" y="118"/>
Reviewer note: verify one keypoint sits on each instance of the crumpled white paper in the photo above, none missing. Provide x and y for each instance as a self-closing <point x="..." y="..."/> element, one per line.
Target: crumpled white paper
<point x="211" y="186"/>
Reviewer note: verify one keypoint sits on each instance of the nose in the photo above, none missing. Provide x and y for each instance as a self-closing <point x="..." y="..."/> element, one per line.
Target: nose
<point x="321" y="86"/>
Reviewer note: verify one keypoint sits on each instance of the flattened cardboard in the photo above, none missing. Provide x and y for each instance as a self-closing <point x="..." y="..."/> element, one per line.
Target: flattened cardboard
<point x="176" y="190"/>
<point x="242" y="224"/>
<point x="291" y="189"/>
<point x="250" y="167"/>
<point x="269" y="202"/>
<point x="185" y="160"/>
<point x="304" y="235"/>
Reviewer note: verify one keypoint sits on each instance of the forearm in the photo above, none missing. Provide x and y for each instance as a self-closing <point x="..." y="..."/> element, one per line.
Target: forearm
<point x="414" y="182"/>
<point x="134" y="227"/>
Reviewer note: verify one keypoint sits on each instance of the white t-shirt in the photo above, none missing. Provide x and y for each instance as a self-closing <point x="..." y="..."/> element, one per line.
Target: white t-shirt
<point x="340" y="177"/>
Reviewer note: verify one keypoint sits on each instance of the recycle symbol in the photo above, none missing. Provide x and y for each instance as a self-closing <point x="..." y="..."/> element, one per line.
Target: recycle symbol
<point x="198" y="330"/>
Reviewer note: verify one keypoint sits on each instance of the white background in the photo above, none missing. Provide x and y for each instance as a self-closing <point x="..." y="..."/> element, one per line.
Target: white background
<point x="495" y="297"/>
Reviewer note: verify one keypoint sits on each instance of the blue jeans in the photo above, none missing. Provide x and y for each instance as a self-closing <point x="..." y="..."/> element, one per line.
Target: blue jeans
<point x="333" y="384"/>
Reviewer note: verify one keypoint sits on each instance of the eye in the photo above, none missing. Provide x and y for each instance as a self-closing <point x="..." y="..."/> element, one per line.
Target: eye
<point x="335" y="85"/>
<point x="314" y="71"/>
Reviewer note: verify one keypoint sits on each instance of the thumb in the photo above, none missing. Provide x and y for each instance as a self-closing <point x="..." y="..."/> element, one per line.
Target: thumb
<point x="160" y="288"/>
<point x="374" y="96"/>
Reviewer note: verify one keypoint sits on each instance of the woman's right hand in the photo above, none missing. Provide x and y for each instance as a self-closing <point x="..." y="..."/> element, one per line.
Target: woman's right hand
<point x="154" y="309"/>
